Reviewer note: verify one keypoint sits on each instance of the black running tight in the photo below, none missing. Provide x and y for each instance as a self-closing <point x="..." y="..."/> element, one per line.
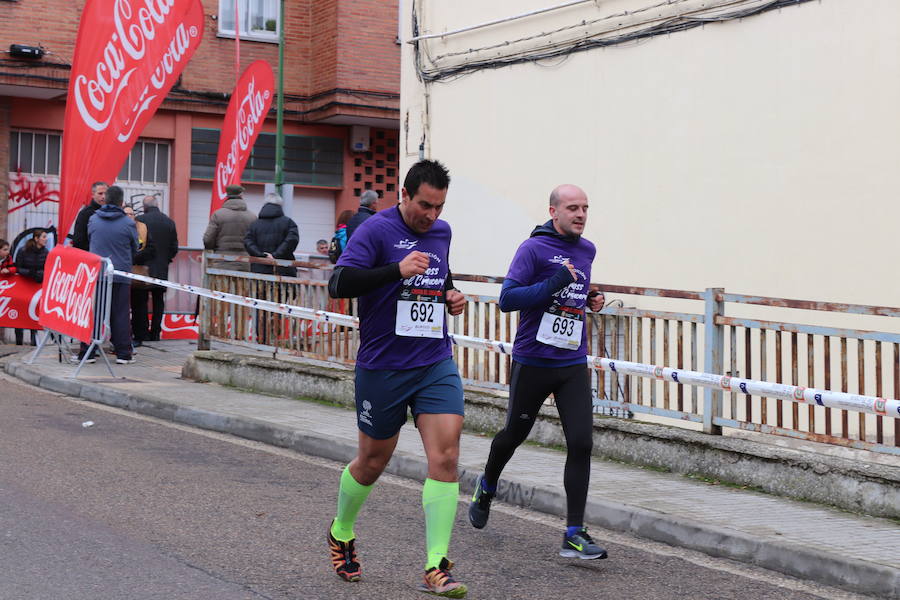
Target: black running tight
<point x="529" y="387"/>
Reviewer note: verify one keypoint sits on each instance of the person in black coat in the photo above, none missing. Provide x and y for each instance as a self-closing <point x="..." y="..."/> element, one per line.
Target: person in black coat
<point x="30" y="263"/>
<point x="272" y="235"/>
<point x="367" y="206"/>
<point x="80" y="238"/>
<point x="164" y="238"/>
<point x="30" y="259"/>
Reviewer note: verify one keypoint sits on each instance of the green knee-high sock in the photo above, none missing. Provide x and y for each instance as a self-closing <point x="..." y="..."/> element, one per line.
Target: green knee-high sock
<point x="351" y="497"/>
<point x="439" y="499"/>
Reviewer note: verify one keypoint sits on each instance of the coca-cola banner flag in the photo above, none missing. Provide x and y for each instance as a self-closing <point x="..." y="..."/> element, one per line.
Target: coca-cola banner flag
<point x="19" y="298"/>
<point x="67" y="297"/>
<point x="128" y="55"/>
<point x="244" y="118"/>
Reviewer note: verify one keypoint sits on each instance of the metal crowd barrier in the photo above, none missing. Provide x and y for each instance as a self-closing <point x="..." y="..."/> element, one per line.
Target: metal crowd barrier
<point x="100" y="332"/>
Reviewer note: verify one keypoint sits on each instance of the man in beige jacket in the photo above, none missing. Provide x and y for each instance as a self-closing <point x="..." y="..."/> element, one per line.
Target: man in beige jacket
<point x="227" y="228"/>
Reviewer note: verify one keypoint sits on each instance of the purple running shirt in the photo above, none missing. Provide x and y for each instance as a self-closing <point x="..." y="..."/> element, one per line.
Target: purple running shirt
<point x="403" y="325"/>
<point x="556" y="324"/>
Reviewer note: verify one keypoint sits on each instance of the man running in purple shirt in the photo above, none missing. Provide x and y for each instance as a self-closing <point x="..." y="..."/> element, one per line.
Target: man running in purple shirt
<point x="548" y="282"/>
<point x="396" y="263"/>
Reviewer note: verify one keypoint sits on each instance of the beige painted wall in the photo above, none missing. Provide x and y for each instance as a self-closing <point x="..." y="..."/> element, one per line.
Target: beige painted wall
<point x="759" y="155"/>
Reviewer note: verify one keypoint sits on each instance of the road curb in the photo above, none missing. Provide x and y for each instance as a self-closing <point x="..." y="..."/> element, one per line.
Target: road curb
<point x="791" y="559"/>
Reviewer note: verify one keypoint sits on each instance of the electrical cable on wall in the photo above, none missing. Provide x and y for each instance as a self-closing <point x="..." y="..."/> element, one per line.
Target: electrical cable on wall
<point x="662" y="26"/>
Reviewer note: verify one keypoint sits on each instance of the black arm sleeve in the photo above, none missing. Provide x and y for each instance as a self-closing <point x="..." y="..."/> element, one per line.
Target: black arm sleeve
<point x="448" y="283"/>
<point x="350" y="282"/>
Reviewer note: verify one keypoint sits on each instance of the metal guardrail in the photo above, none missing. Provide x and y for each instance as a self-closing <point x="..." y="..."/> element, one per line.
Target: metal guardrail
<point x="850" y="361"/>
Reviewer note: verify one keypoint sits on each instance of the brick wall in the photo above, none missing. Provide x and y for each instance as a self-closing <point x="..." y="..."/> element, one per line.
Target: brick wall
<point x="4" y="162"/>
<point x="329" y="44"/>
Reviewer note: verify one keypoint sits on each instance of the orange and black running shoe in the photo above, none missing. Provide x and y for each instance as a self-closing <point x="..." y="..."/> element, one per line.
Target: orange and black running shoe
<point x="343" y="558"/>
<point x="440" y="582"/>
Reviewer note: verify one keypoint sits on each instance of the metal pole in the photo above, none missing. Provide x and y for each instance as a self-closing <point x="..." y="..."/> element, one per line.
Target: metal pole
<point x="279" y="127"/>
<point x="714" y="348"/>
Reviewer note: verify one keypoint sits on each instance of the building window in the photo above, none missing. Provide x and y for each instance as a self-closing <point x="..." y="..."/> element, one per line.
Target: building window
<point x="148" y="162"/>
<point x="34" y="153"/>
<point x="258" y="19"/>
<point x="308" y="160"/>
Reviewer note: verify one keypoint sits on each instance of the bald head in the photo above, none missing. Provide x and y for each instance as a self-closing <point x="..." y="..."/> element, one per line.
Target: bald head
<point x="150" y="201"/>
<point x="568" y="209"/>
<point x="566" y="191"/>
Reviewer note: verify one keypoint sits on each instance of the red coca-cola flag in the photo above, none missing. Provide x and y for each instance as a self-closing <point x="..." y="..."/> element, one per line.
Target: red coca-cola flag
<point x="128" y="55"/>
<point x="244" y="118"/>
<point x="19" y="298"/>
<point x="67" y="296"/>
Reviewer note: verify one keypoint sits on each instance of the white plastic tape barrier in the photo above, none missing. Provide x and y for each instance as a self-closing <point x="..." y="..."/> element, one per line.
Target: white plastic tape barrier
<point x="859" y="403"/>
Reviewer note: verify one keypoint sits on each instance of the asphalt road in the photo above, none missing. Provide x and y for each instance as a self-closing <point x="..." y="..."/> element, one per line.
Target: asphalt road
<point x="133" y="508"/>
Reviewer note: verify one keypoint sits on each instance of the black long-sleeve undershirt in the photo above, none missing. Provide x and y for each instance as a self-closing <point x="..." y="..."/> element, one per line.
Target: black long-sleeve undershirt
<point x="352" y="282"/>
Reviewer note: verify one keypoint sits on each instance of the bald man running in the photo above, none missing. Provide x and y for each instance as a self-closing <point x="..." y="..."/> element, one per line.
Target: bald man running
<point x="548" y="281"/>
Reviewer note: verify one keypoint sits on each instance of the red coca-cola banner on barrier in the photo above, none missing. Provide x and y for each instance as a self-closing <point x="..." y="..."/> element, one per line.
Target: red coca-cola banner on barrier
<point x="67" y="297"/>
<point x="128" y="55"/>
<point x="19" y="298"/>
<point x="179" y="327"/>
<point x="244" y="118"/>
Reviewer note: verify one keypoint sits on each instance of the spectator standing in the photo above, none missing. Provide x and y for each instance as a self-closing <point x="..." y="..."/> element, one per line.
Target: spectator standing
<point x="368" y="204"/>
<point x="339" y="240"/>
<point x="145" y="253"/>
<point x="30" y="263"/>
<point x="227" y="228"/>
<point x="7" y="266"/>
<point x="31" y="259"/>
<point x="80" y="232"/>
<point x="8" y="269"/>
<point x="114" y="236"/>
<point x="322" y="247"/>
<point x="165" y="244"/>
<point x="273" y="235"/>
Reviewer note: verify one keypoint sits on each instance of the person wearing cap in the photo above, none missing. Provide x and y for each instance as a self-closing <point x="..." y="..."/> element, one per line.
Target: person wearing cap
<point x="227" y="228"/>
<point x="367" y="206"/>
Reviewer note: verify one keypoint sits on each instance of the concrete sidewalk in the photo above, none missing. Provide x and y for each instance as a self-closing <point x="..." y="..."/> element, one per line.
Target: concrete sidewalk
<point x="858" y="553"/>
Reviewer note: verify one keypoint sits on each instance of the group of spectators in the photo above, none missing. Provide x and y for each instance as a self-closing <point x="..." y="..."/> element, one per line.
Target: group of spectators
<point x="143" y="244"/>
<point x="233" y="229"/>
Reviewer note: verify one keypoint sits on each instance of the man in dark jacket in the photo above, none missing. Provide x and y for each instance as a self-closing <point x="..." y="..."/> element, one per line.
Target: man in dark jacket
<point x="164" y="238"/>
<point x="113" y="235"/>
<point x="367" y="207"/>
<point x="80" y="232"/>
<point x="273" y="235"/>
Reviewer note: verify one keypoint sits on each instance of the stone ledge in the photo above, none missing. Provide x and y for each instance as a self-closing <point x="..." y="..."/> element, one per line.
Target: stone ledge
<point x="867" y="488"/>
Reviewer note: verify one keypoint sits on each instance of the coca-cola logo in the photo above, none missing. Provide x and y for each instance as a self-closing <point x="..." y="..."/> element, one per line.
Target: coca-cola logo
<point x="97" y="93"/>
<point x="250" y="114"/>
<point x="172" y="323"/>
<point x="6" y="301"/>
<point x="70" y="296"/>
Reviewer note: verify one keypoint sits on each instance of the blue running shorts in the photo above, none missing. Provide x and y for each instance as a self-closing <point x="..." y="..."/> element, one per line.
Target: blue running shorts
<point x="382" y="396"/>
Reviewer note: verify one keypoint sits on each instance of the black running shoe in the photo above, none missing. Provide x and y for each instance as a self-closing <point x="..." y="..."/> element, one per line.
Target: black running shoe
<point x="480" y="507"/>
<point x="581" y="546"/>
<point x="343" y="558"/>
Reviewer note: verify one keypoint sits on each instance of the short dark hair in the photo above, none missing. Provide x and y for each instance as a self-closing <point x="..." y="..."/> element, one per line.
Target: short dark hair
<point x="427" y="171"/>
<point x="97" y="184"/>
<point x="3" y="243"/>
<point x="115" y="195"/>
